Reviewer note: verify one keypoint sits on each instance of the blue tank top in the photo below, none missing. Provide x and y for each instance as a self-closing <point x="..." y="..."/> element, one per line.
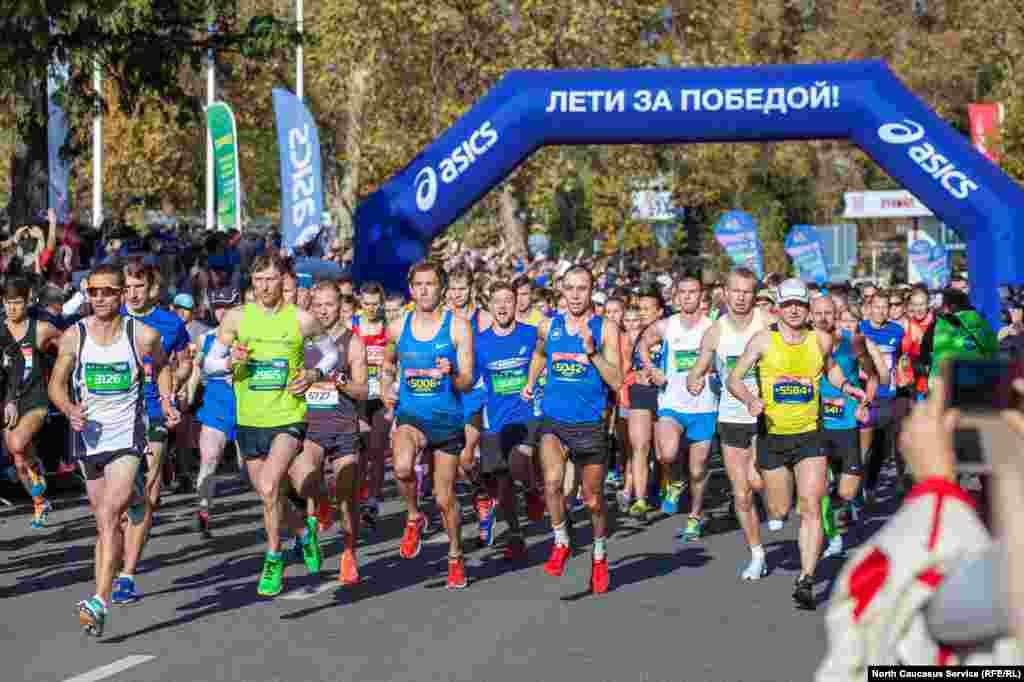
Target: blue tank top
<point x="504" y="364"/>
<point x="425" y="395"/>
<point x="575" y="393"/>
<point x="837" y="409"/>
<point x="889" y="340"/>
<point x="657" y="355"/>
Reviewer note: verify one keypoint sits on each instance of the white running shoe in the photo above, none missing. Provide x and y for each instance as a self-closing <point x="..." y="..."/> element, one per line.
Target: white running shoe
<point x="776" y="525"/>
<point x="756" y="569"/>
<point x="835" y="547"/>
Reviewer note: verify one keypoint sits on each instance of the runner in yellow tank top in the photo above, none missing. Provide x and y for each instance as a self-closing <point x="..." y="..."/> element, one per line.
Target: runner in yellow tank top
<point x="263" y="344"/>
<point x="791" y="357"/>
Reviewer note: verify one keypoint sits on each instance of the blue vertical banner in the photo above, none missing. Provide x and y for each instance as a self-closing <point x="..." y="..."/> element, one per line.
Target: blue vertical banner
<point x="59" y="170"/>
<point x="939" y="266"/>
<point x="804" y="246"/>
<point x="736" y="231"/>
<point x="302" y="187"/>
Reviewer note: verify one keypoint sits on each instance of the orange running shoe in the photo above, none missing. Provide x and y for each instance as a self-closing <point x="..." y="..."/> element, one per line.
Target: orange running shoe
<point x="515" y="548"/>
<point x="535" y="506"/>
<point x="456" y="573"/>
<point x="559" y="557"/>
<point x="325" y="514"/>
<point x="599" y="576"/>
<point x="412" y="538"/>
<point x="349" y="573"/>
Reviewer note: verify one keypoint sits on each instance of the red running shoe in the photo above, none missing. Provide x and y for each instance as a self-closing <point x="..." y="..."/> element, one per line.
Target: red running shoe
<point x="412" y="538"/>
<point x="456" y="573"/>
<point x="349" y="573"/>
<point x="556" y="564"/>
<point x="599" y="576"/>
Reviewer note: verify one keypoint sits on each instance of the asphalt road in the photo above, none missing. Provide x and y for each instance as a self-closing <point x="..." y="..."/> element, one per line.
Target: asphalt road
<point x="672" y="614"/>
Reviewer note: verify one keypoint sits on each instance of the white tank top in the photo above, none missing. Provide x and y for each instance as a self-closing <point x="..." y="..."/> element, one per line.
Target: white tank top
<point x="108" y="382"/>
<point x="682" y="351"/>
<point x="731" y="344"/>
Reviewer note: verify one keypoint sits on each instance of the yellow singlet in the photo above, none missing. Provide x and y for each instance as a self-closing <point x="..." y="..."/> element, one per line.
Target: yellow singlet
<point x="789" y="384"/>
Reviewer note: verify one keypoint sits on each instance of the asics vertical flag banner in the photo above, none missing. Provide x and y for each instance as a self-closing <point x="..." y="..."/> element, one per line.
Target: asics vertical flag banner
<point x="804" y="246"/>
<point x="736" y="231"/>
<point x="302" y="187"/>
<point x="221" y="122"/>
<point x="862" y="102"/>
<point x="59" y="170"/>
<point x="986" y="129"/>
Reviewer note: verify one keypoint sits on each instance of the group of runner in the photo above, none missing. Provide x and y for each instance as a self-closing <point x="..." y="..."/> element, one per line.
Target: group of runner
<point x="321" y="388"/>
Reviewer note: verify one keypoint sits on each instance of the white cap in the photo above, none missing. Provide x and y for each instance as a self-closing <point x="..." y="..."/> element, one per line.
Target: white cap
<point x="793" y="290"/>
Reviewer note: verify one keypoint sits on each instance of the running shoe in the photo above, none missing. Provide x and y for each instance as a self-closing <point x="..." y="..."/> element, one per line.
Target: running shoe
<point x="599" y="576"/>
<point x="92" y="616"/>
<point x="835" y="547"/>
<point x="535" y="506"/>
<point x="412" y="538"/>
<point x="37" y="481"/>
<point x="349" y="572"/>
<point x="41" y="514"/>
<point x="311" y="554"/>
<point x="693" y="530"/>
<point x="515" y="548"/>
<point x="803" y="593"/>
<point x="556" y="563"/>
<point x="670" y="498"/>
<point x="456" y="573"/>
<point x="640" y="509"/>
<point x="485" y="509"/>
<point x="325" y="514"/>
<point x="271" y="578"/>
<point x="124" y="591"/>
<point x="613" y="479"/>
<point x="202" y="524"/>
<point x="756" y="569"/>
<point x="625" y="501"/>
<point x="368" y="513"/>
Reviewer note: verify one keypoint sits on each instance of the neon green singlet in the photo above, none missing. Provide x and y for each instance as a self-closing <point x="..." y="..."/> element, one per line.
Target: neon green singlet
<point x="275" y="358"/>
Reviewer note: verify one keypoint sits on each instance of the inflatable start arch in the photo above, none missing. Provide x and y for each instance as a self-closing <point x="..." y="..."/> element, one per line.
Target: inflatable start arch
<point x="862" y="102"/>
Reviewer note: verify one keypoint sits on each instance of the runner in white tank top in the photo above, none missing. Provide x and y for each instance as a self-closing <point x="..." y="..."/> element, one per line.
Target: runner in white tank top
<point x="722" y="346"/>
<point x="109" y="358"/>
<point x="679" y="412"/>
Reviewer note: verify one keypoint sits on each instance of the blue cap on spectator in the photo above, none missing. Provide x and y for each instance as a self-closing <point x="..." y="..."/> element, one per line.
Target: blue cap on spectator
<point x="183" y="301"/>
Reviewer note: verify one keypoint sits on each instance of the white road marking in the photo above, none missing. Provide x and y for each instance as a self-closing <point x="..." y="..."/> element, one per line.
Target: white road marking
<point x="111" y="669"/>
<point x="306" y="592"/>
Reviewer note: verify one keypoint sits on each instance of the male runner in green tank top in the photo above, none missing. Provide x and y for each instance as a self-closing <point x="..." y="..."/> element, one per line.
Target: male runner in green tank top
<point x="263" y="343"/>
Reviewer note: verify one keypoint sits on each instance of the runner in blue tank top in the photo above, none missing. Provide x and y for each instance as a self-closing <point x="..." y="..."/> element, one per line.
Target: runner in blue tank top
<point x="581" y="353"/>
<point x="880" y="437"/>
<point x="840" y="413"/>
<point x="503" y="355"/>
<point x="430" y="353"/>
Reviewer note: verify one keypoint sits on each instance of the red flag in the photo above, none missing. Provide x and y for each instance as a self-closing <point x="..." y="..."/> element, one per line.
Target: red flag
<point x="986" y="128"/>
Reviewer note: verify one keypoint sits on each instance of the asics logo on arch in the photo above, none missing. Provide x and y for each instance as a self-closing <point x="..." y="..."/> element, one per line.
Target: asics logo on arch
<point x="927" y="157"/>
<point x="457" y="162"/>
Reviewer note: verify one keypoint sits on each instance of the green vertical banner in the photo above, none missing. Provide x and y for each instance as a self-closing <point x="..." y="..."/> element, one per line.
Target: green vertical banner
<point x="221" y="123"/>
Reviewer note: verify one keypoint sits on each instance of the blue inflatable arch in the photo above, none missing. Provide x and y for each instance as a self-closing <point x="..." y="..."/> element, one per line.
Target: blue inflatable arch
<point x="862" y="102"/>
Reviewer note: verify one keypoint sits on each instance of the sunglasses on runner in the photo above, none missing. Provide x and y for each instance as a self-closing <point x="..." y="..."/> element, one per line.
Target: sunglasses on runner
<point x="109" y="292"/>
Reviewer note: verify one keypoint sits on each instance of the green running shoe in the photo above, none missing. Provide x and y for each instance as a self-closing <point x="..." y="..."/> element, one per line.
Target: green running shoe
<point x="270" y="580"/>
<point x="693" y="530"/>
<point x="640" y="509"/>
<point x="92" y="616"/>
<point x="311" y="554"/>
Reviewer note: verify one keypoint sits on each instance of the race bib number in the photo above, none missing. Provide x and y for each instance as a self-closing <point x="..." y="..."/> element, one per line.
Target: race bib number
<point x="730" y="364"/>
<point x="271" y="375"/>
<point x="833" y="409"/>
<point x="510" y="382"/>
<point x="569" y="366"/>
<point x="685" y="360"/>
<point x="102" y="378"/>
<point x="788" y="390"/>
<point x="317" y="399"/>
<point x="423" y="382"/>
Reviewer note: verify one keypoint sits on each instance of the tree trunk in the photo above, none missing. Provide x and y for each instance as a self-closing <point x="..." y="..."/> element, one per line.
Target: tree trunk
<point x="29" y="162"/>
<point x="513" y="228"/>
<point x="359" y="84"/>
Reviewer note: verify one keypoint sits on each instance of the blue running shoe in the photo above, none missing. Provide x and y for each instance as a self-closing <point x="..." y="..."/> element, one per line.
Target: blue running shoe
<point x="693" y="530"/>
<point x="124" y="591"/>
<point x="41" y="514"/>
